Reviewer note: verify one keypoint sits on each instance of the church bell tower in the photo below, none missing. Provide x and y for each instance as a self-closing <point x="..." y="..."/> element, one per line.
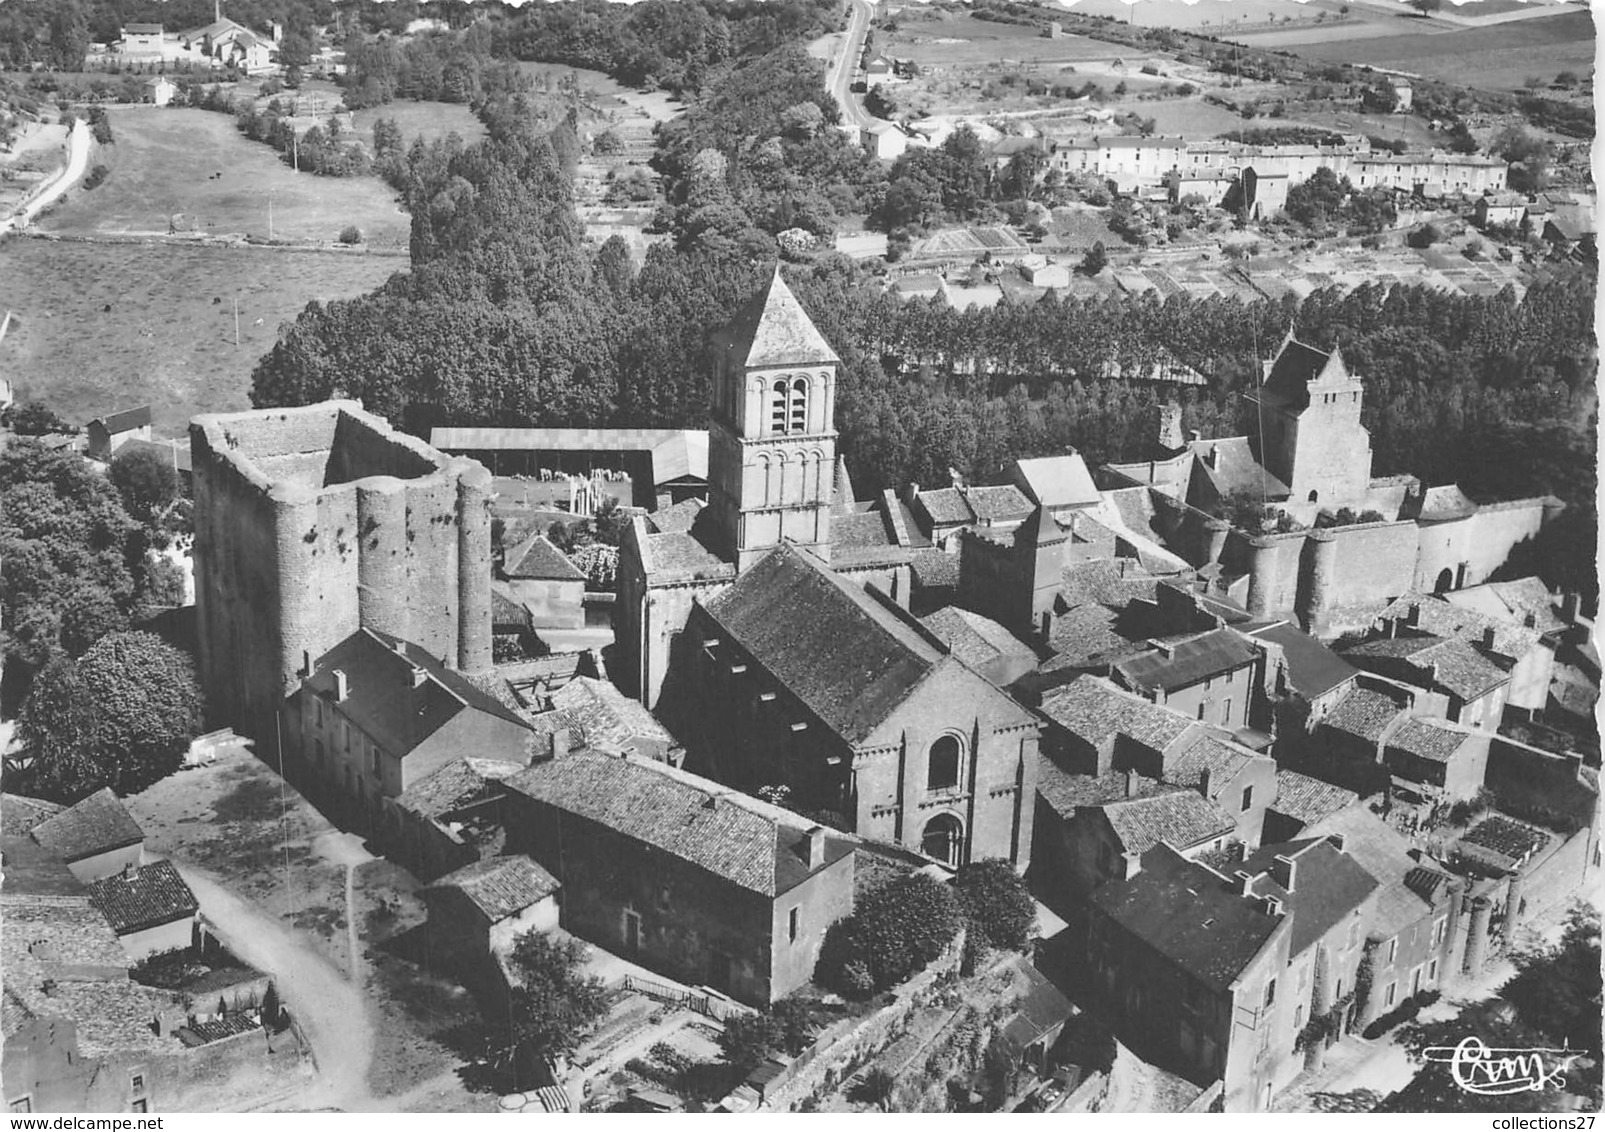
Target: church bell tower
<point x="772" y="439"/>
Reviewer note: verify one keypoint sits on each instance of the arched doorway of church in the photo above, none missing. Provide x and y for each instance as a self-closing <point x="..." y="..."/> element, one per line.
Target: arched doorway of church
<point x="944" y="839"/>
<point x="1446" y="581"/>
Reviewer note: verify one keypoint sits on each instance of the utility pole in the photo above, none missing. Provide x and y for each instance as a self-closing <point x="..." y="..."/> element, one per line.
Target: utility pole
<point x="270" y="214"/>
<point x="236" y="321"/>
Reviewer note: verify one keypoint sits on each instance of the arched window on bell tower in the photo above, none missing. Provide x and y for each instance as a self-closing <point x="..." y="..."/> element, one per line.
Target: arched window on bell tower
<point x="799" y="406"/>
<point x="777" y="408"/>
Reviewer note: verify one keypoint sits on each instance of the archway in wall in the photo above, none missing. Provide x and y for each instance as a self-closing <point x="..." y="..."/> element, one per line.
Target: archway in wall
<point x="944" y="839"/>
<point x="1446" y="581"/>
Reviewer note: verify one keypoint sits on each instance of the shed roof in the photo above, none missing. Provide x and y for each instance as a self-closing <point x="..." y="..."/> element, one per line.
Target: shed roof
<point x="1428" y="739"/>
<point x="1095" y="711"/>
<point x="975" y="639"/>
<point x="1179" y="817"/>
<point x="501" y="886"/>
<point x="146" y="897"/>
<point x="98" y="824"/>
<point x="1366" y="712"/>
<point x="1309" y="800"/>
<point x="1058" y="481"/>
<point x="125" y="420"/>
<point x="1180" y="665"/>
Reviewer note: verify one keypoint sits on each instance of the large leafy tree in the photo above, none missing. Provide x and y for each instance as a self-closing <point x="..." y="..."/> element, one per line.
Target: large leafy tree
<point x="120" y="716"/>
<point x="63" y="543"/>
<point x="556" y="1004"/>
<point x="998" y="909"/>
<point x="894" y="932"/>
<point x="146" y="480"/>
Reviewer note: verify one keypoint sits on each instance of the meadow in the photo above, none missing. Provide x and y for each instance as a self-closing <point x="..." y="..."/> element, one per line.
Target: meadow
<point x="194" y="163"/>
<point x="102" y="326"/>
<point x="965" y="41"/>
<point x="427" y="120"/>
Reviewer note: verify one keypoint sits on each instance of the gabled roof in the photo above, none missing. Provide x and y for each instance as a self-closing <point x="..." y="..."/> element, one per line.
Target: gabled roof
<point x="43" y="934"/>
<point x="975" y="639"/>
<point x="98" y="824"/>
<point x="1058" y="481"/>
<point x="1329" y="886"/>
<point x="1443" y="618"/>
<point x="1229" y="466"/>
<point x="539" y="559"/>
<point x="1455" y="666"/>
<point x="19" y="813"/>
<point x="124" y="420"/>
<point x="1040" y="1007"/>
<point x="1180" y="817"/>
<point x="1312" y="668"/>
<point x="946" y="505"/>
<point x="146" y="897"/>
<point x="501" y="886"/>
<point x="1516" y="600"/>
<point x="1088" y="636"/>
<point x="1295" y="369"/>
<point x="1191" y="915"/>
<point x="684" y="455"/>
<point x="385" y="699"/>
<point x="1223" y="759"/>
<point x="676" y="519"/>
<point x="1444" y="503"/>
<point x="1185" y="663"/>
<point x="1428" y="739"/>
<point x="842" y="654"/>
<point x="597" y="714"/>
<point x="1309" y="800"/>
<point x="1095" y="711"/>
<point x="1002" y="503"/>
<point x="693" y="819"/>
<point x="772" y="329"/>
<point x="1066" y="792"/>
<point x="1385" y="854"/>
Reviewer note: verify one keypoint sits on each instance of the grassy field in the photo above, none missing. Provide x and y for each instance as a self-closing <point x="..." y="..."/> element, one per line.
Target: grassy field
<point x="195" y="163"/>
<point x="966" y="41"/>
<point x="103" y="326"/>
<point x="1203" y="15"/>
<point x="1494" y="58"/>
<point x="427" y="120"/>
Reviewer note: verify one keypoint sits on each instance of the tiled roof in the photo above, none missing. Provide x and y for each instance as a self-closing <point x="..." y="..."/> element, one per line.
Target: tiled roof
<point x="1428" y="739"/>
<point x="1309" y="800"/>
<point x="1095" y="711"/>
<point x="1189" y="914"/>
<point x="1087" y="636"/>
<point x="1040" y="1007"/>
<point x="861" y="537"/>
<point x="975" y="639"/>
<point x="681" y="556"/>
<point x="228" y="1026"/>
<point x="946" y="505"/>
<point x="501" y="886"/>
<point x="934" y="568"/>
<point x="1058" y="481"/>
<point x="14" y="1013"/>
<point x="1330" y="885"/>
<point x="45" y="933"/>
<point x="1187" y="662"/>
<point x="504" y="610"/>
<point x="28" y="868"/>
<point x="1514" y="600"/>
<point x="1065" y="792"/>
<point x="1234" y="470"/>
<point x="1385" y="854"/>
<point x="1002" y="504"/>
<point x="1222" y="759"/>
<point x="1445" y="502"/>
<point x="141" y="898"/>
<point x="455" y="785"/>
<point x="1442" y="618"/>
<point x="539" y="559"/>
<point x="677" y="519"/>
<point x="385" y="701"/>
<point x="1312" y="668"/>
<point x="1181" y="818"/>
<point x="98" y="824"/>
<point x="681" y="814"/>
<point x="840" y="652"/>
<point x="1106" y="583"/>
<point x="772" y="329"/>
<point x="599" y="715"/>
<point x="1456" y="666"/>
<point x="1366" y="713"/>
<point x="124" y="421"/>
<point x="114" y="1018"/>
<point x="19" y="814"/>
<point x="1293" y="371"/>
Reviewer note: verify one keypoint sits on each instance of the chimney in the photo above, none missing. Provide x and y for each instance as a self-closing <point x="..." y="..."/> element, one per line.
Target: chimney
<point x="1131" y="783"/>
<point x="1205" y="780"/>
<point x="1194" y="436"/>
<point x="1284" y="871"/>
<point x="560" y="742"/>
<point x="1213" y="458"/>
<point x="278" y="32"/>
<point x="1245" y="882"/>
<point x="1412" y="616"/>
<point x="342" y="687"/>
<point x="816" y="848"/>
<point x="1273" y="906"/>
<point x="419" y="675"/>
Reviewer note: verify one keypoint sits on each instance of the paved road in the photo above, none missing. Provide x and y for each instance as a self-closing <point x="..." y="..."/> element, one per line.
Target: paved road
<point x="846" y="65"/>
<point x="77" y="159"/>
<point x="331" y="1010"/>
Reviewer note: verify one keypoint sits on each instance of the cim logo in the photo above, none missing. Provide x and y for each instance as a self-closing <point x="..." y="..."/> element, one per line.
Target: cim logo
<point x="1489" y="1072"/>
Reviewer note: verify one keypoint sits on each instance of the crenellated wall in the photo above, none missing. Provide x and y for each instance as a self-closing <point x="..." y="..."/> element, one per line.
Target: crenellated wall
<point x="312" y="522"/>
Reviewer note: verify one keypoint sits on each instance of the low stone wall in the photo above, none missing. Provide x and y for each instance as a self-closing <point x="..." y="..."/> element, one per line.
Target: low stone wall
<point x="851" y="1043"/>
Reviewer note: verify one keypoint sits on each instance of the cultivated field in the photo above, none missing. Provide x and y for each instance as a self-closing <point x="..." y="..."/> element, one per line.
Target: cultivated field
<point x="1500" y="57"/>
<point x="427" y="120"/>
<point x="964" y="41"/>
<point x="101" y="326"/>
<point x="194" y="163"/>
<point x="1206" y="16"/>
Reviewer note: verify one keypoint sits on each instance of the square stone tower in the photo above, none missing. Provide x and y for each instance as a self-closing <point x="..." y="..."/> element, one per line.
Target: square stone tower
<point x="313" y="522"/>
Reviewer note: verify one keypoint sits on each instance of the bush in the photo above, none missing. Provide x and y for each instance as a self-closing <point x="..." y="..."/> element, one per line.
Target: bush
<point x="998" y="909"/>
<point x="895" y="931"/>
<point x="96" y="176"/>
<point x="1424" y="236"/>
<point x="350" y="234"/>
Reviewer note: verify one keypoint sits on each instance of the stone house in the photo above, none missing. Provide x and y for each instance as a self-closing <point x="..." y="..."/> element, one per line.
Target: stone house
<point x="1522" y="642"/>
<point x="590" y="713"/>
<point x="1301" y="802"/>
<point x="797" y="677"/>
<point x="477" y="911"/>
<point x="109" y="433"/>
<point x="1215" y="976"/>
<point x="1215" y="677"/>
<point x="680" y="874"/>
<point x="1301" y="667"/>
<point x="547" y="583"/>
<point x="160" y="90"/>
<point x="1456" y="681"/>
<point x="379" y="714"/>
<point x="96" y="837"/>
<point x="451" y="818"/>
<point x="150" y="908"/>
<point x="1432" y="761"/>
